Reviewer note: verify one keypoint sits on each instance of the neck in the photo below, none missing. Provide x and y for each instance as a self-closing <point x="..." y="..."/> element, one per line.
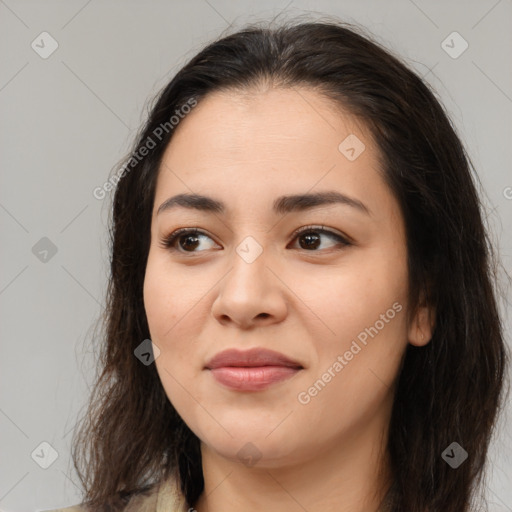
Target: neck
<point x="350" y="475"/>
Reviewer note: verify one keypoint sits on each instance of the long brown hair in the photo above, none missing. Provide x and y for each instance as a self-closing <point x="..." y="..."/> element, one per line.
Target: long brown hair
<point x="450" y="390"/>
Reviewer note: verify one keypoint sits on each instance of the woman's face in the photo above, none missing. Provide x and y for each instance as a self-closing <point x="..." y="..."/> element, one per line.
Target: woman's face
<point x="332" y="300"/>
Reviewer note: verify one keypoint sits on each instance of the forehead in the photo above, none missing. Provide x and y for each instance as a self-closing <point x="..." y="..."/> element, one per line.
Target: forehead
<point x="261" y="143"/>
<point x="227" y="123"/>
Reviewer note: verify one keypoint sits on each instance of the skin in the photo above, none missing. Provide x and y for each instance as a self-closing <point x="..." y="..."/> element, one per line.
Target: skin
<point x="246" y="149"/>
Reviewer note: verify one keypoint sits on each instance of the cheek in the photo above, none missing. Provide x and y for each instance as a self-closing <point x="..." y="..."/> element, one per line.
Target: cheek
<point x="361" y="310"/>
<point x="348" y="299"/>
<point x="164" y="301"/>
<point x="164" y="309"/>
<point x="172" y="308"/>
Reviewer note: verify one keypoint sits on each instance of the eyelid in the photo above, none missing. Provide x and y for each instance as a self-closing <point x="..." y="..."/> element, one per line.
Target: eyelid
<point x="318" y="227"/>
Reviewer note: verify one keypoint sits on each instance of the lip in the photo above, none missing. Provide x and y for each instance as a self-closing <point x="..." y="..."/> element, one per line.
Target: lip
<point x="251" y="370"/>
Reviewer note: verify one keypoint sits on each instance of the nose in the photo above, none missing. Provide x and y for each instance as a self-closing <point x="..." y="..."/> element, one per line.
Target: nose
<point x="250" y="294"/>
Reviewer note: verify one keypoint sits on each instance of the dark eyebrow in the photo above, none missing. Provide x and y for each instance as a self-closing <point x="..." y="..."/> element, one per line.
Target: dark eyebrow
<point x="282" y="205"/>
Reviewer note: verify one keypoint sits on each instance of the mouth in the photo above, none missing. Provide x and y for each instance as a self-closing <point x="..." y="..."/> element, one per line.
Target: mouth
<point x="251" y="370"/>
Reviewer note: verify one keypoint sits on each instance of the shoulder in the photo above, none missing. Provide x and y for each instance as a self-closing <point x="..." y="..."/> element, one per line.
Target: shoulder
<point x="163" y="497"/>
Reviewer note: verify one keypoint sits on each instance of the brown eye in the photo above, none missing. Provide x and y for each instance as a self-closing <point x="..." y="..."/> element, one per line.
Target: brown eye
<point x="310" y="238"/>
<point x="186" y="239"/>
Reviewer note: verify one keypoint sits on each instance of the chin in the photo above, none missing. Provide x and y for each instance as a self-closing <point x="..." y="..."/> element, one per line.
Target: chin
<point x="254" y="447"/>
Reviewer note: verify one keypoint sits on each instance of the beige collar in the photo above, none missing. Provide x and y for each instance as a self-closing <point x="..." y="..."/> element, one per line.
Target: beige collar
<point x="171" y="499"/>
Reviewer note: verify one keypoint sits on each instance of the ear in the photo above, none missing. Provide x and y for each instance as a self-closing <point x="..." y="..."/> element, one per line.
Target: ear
<point x="422" y="325"/>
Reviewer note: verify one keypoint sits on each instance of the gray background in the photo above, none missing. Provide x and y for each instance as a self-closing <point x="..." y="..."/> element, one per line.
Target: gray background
<point x="69" y="118"/>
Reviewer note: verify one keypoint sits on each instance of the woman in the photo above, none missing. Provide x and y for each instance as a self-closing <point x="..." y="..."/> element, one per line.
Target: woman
<point x="298" y="233"/>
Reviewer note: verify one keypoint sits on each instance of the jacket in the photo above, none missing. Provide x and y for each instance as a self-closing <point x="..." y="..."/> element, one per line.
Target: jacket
<point x="165" y="497"/>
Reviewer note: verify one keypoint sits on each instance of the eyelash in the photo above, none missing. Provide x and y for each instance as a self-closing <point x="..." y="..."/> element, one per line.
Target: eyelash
<point x="168" y="242"/>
